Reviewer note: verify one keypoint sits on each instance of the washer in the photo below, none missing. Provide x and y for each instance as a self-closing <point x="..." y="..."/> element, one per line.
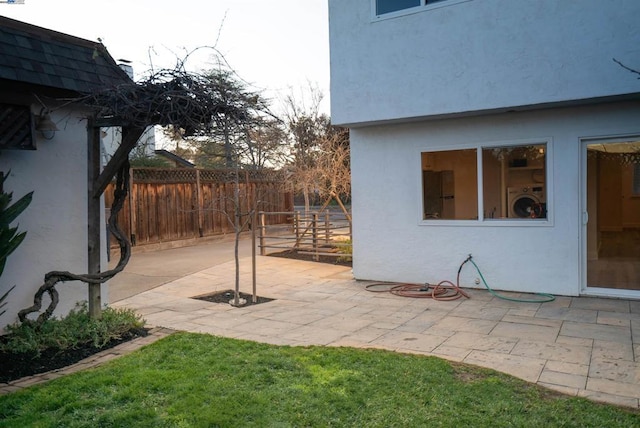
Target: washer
<point x="527" y="201"/>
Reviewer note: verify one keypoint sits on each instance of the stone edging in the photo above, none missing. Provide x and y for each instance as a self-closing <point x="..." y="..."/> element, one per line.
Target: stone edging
<point x="156" y="333"/>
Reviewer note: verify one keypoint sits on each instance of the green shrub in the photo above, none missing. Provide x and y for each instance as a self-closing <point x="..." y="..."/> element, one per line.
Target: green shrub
<point x="345" y="247"/>
<point x="75" y="330"/>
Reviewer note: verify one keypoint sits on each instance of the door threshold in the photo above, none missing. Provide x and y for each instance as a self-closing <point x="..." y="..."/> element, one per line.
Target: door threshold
<point x="614" y="293"/>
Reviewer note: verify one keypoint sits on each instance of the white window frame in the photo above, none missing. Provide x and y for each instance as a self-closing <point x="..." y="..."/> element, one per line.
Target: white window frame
<point x="481" y="220"/>
<point x="635" y="191"/>
<point x="423" y="7"/>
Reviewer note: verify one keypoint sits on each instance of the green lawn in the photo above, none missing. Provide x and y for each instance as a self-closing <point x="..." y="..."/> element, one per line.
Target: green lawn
<point x="191" y="380"/>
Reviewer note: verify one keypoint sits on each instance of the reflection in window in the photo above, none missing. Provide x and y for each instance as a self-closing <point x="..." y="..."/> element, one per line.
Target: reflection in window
<point x="450" y="185"/>
<point x="387" y="6"/>
<point x="514" y="182"/>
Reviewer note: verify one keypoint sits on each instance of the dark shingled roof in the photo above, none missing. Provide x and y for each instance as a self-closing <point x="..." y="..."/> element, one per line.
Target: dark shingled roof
<point x="177" y="160"/>
<point x="36" y="55"/>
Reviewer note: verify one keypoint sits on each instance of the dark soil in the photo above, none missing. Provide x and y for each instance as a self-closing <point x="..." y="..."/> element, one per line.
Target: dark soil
<point x="17" y="365"/>
<point x="227" y="295"/>
<point x="293" y="254"/>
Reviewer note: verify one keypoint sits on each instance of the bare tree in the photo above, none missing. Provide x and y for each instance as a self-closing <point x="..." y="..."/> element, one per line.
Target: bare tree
<point x="245" y="137"/>
<point x="232" y="139"/>
<point x="266" y="145"/>
<point x="334" y="166"/>
<point x="306" y="127"/>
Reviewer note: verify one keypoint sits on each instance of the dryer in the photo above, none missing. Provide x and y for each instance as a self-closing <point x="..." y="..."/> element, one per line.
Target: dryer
<point x="527" y="201"/>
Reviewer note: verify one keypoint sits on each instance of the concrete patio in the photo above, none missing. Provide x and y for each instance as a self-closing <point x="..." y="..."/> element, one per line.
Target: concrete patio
<point x="588" y="347"/>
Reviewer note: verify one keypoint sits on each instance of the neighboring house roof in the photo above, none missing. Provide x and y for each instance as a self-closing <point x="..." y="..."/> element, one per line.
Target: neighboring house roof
<point x="39" y="56"/>
<point x="179" y="161"/>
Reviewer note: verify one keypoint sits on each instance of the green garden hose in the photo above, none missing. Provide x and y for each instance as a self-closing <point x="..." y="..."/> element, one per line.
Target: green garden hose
<point x="545" y="297"/>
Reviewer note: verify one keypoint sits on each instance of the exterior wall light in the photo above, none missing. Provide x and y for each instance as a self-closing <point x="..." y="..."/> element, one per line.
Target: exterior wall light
<point x="45" y="126"/>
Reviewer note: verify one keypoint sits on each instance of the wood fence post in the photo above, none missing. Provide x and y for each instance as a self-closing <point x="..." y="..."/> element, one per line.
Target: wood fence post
<point x="133" y="209"/>
<point x="296" y="227"/>
<point x="254" y="218"/>
<point x="199" y="203"/>
<point x="93" y="217"/>
<point x="314" y="234"/>
<point x="327" y="227"/>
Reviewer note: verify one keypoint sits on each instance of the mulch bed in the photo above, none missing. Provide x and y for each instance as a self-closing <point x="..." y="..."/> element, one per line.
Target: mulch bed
<point x="293" y="254"/>
<point x="17" y="365"/>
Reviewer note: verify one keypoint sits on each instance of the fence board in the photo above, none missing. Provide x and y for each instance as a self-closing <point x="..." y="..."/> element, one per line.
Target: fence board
<point x="165" y="204"/>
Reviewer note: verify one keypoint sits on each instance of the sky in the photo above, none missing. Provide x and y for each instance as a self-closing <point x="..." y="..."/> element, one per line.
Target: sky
<point x="278" y="47"/>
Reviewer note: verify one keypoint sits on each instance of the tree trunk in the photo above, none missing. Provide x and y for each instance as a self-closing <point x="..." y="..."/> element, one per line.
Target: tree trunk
<point x="237" y="227"/>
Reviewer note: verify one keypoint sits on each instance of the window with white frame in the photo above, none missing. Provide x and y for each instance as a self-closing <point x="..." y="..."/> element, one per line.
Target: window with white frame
<point x="512" y="180"/>
<point x="383" y="7"/>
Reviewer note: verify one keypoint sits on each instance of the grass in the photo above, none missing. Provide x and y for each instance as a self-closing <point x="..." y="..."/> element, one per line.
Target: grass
<point x="192" y="380"/>
<point x="345" y="247"/>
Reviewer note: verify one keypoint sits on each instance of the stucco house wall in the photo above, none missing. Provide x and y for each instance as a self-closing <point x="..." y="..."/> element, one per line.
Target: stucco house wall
<point x="110" y="139"/>
<point x="40" y="72"/>
<point x="392" y="242"/>
<point x="474" y="74"/>
<point x="56" y="219"/>
<point x="477" y="55"/>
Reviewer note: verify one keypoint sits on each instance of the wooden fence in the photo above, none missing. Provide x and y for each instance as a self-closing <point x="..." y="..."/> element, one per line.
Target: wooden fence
<point x="326" y="233"/>
<point x="175" y="204"/>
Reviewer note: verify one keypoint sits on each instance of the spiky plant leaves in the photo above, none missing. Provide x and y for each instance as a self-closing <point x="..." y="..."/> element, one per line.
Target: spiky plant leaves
<point x="10" y="239"/>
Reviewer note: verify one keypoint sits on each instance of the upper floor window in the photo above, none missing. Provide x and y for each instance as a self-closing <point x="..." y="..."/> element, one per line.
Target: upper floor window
<point x="389" y="6"/>
<point x="636" y="179"/>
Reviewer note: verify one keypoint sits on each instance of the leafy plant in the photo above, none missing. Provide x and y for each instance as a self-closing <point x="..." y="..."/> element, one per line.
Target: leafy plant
<point x="345" y="247"/>
<point x="73" y="331"/>
<point x="9" y="236"/>
<point x="2" y="300"/>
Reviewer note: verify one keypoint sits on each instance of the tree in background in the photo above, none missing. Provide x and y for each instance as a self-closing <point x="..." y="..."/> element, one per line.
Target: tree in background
<point x="334" y="166"/>
<point x="319" y="161"/>
<point x="246" y="136"/>
<point x="267" y="144"/>
<point x="306" y="127"/>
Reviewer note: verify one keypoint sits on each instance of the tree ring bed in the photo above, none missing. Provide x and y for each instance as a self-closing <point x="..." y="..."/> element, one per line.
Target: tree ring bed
<point x="227" y="295"/>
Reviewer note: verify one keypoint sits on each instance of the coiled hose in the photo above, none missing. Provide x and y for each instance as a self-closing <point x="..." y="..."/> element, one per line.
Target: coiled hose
<point x="445" y="290"/>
